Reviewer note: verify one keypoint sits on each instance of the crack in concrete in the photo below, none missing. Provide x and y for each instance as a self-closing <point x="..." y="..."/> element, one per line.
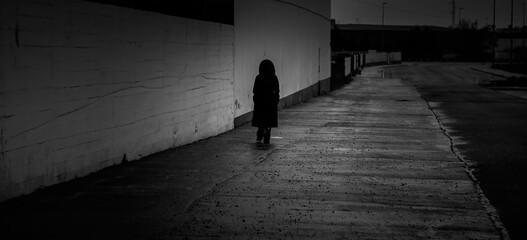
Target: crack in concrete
<point x="469" y="170"/>
<point x="95" y="100"/>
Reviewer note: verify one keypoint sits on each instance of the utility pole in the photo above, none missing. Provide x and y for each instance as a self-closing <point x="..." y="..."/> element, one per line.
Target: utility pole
<point x="523" y="4"/>
<point x="494" y="33"/>
<point x="523" y="34"/>
<point x="454" y="13"/>
<point x="494" y="17"/>
<point x="382" y="27"/>
<point x="460" y="16"/>
<point x="384" y="3"/>
<point x="512" y="29"/>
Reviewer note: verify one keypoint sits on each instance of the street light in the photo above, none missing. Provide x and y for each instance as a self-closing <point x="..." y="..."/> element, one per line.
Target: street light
<point x="523" y="29"/>
<point x="523" y="4"/>
<point x="460" y="16"/>
<point x="494" y="33"/>
<point x="382" y="27"/>
<point x="512" y="30"/>
<point x="494" y="18"/>
<point x="453" y="13"/>
<point x="384" y="3"/>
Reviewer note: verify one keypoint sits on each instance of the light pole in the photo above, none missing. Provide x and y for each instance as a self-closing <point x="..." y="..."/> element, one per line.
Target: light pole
<point x="494" y="17"/>
<point x="382" y="27"/>
<point x="511" y="29"/>
<point x="494" y="33"/>
<point x="460" y="17"/>
<point x="384" y="3"/>
<point x="453" y="14"/>
<point x="522" y="34"/>
<point x="523" y="4"/>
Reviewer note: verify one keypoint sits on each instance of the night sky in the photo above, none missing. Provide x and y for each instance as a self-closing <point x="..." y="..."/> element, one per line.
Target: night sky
<point x="425" y="12"/>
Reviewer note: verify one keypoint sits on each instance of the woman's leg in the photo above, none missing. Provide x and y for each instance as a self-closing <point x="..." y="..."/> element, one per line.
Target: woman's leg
<point x="267" y="135"/>
<point x="259" y="134"/>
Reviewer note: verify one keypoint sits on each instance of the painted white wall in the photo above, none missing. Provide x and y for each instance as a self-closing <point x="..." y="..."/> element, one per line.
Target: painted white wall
<point x="373" y="57"/>
<point x="82" y="84"/>
<point x="394" y="57"/>
<point x="376" y="57"/>
<point x="347" y="66"/>
<point x="289" y="36"/>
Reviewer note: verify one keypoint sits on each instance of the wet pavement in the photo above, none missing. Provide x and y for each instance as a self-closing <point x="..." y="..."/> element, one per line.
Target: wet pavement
<point x="368" y="161"/>
<point x="488" y="128"/>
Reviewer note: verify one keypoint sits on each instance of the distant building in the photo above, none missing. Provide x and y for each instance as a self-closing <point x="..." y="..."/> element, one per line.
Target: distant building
<point x="503" y="45"/>
<point x="417" y="43"/>
<point x="390" y="38"/>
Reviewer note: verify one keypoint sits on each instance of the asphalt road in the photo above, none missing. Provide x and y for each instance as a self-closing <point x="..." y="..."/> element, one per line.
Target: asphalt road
<point x="488" y="129"/>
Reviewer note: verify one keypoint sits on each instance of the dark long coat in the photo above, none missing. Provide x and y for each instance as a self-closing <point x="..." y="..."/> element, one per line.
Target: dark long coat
<point x="266" y="97"/>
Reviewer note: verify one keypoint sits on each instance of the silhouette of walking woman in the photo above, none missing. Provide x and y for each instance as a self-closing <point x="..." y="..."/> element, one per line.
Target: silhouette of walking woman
<point x="265" y="97"/>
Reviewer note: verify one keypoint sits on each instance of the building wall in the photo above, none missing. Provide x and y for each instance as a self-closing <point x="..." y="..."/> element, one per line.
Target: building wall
<point x="294" y="35"/>
<point x="374" y="58"/>
<point x="84" y="86"/>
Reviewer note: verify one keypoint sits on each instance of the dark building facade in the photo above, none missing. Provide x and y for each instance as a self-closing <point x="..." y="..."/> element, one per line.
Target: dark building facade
<point x="417" y="43"/>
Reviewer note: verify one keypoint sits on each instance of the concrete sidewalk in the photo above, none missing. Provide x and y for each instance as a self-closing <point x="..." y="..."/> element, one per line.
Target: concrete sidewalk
<point x="368" y="161"/>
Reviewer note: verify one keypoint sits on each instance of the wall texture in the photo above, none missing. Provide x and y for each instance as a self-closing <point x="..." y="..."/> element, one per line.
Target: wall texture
<point x="85" y="85"/>
<point x="293" y="34"/>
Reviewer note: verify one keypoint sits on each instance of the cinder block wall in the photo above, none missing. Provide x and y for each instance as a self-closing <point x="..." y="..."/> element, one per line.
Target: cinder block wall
<point x="85" y="85"/>
<point x="293" y="34"/>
